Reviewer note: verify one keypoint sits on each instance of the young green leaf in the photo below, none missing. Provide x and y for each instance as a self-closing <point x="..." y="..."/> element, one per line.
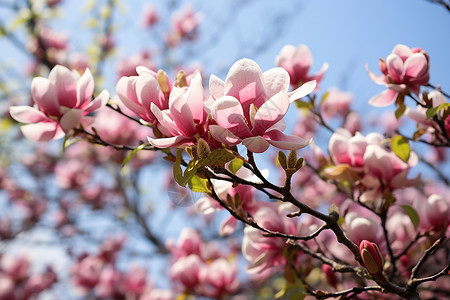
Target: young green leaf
<point x="132" y="153"/>
<point x="198" y="184"/>
<point x="177" y="172"/>
<point x="412" y="214"/>
<point x="400" y="147"/>
<point x="235" y="165"/>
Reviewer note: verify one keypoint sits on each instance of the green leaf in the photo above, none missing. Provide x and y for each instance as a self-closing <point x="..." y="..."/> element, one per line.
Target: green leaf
<point x="177" y="172"/>
<point x="218" y="157"/>
<point x="301" y="104"/>
<point x="431" y="112"/>
<point x="412" y="214"/>
<point x="400" y="147"/>
<point x="292" y="291"/>
<point x="235" y="165"/>
<point x="400" y="111"/>
<point x="132" y="153"/>
<point x="324" y="97"/>
<point x="198" y="184"/>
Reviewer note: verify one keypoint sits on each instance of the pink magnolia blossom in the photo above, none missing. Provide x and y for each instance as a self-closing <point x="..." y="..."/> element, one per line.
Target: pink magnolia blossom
<point x="62" y="102"/>
<point x="137" y="93"/>
<point x="267" y="252"/>
<point x="86" y="272"/>
<point x="185" y="272"/>
<point x="218" y="278"/>
<point x="185" y="23"/>
<point x="128" y="66"/>
<point x="437" y="212"/>
<point x="336" y="103"/>
<point x="250" y="105"/>
<point x="359" y="227"/>
<point x="158" y="294"/>
<point x="186" y="119"/>
<point x="297" y="61"/>
<point x="189" y="242"/>
<point x="404" y="71"/>
<point x="149" y="16"/>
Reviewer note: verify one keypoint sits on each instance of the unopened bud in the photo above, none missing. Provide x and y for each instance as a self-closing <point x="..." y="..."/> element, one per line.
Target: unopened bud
<point x="329" y="274"/>
<point x="282" y="159"/>
<point x="203" y="150"/>
<point x="163" y="81"/>
<point x="371" y="256"/>
<point x="180" y="79"/>
<point x="292" y="159"/>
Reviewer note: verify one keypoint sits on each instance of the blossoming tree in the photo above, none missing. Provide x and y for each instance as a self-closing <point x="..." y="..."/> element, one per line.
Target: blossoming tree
<point x="348" y="219"/>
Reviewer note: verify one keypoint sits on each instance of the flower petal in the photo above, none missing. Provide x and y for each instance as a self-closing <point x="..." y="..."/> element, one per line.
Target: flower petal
<point x="383" y="99"/>
<point x="245" y="82"/>
<point x="256" y="144"/>
<point x="44" y="95"/>
<point x="26" y="114"/>
<point x="216" y="87"/>
<point x="416" y="66"/>
<point x="378" y="79"/>
<point x="302" y="91"/>
<point x="395" y="67"/>
<point x="223" y="135"/>
<point x="71" y="119"/>
<point x="227" y="112"/>
<point x="42" y="132"/>
<point x="125" y="88"/>
<point x="98" y="102"/>
<point x="286" y="142"/>
<point x="85" y="88"/>
<point x="181" y="112"/>
<point x="148" y="91"/>
<point x="175" y="141"/>
<point x="165" y="120"/>
<point x="65" y="85"/>
<point x="195" y="97"/>
<point x="276" y="80"/>
<point x="272" y="111"/>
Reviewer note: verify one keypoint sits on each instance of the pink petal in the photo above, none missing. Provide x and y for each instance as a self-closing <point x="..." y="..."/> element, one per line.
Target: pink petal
<point x="148" y="91"/>
<point x="216" y="87"/>
<point x="402" y="51"/>
<point x="98" y="102"/>
<point x="227" y="112"/>
<point x="302" y="91"/>
<point x="272" y="111"/>
<point x="65" y="85"/>
<point x="85" y="88"/>
<point x="223" y="135"/>
<point x="228" y="226"/>
<point x="416" y="65"/>
<point x="286" y="142"/>
<point x="181" y="112"/>
<point x="319" y="75"/>
<point x="302" y="59"/>
<point x="42" y="132"/>
<point x="395" y="67"/>
<point x="175" y="141"/>
<point x="276" y="80"/>
<point x="44" y="95"/>
<point x="378" y="79"/>
<point x="256" y="144"/>
<point x="165" y="120"/>
<point x="284" y="58"/>
<point x="383" y="99"/>
<point x="195" y="97"/>
<point x="26" y="114"/>
<point x="245" y="82"/>
<point x="125" y="88"/>
<point x="71" y="119"/>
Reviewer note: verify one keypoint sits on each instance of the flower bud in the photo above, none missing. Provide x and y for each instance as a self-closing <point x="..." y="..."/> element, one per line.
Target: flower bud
<point x="371" y="256"/>
<point x="163" y="81"/>
<point x="292" y="159"/>
<point x="203" y="150"/>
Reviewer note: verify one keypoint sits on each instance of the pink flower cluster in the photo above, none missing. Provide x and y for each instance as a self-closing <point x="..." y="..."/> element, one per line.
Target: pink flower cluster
<point x="199" y="268"/>
<point x="247" y="108"/>
<point x="61" y="103"/>
<point x="17" y="283"/>
<point x="366" y="158"/>
<point x="98" y="274"/>
<point x="404" y="71"/>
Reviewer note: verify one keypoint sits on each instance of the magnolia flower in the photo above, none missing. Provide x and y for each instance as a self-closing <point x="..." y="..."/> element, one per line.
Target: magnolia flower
<point x="404" y="71"/>
<point x="297" y="61"/>
<point x="186" y="119"/>
<point x="219" y="278"/>
<point x="62" y="102"/>
<point x="250" y="105"/>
